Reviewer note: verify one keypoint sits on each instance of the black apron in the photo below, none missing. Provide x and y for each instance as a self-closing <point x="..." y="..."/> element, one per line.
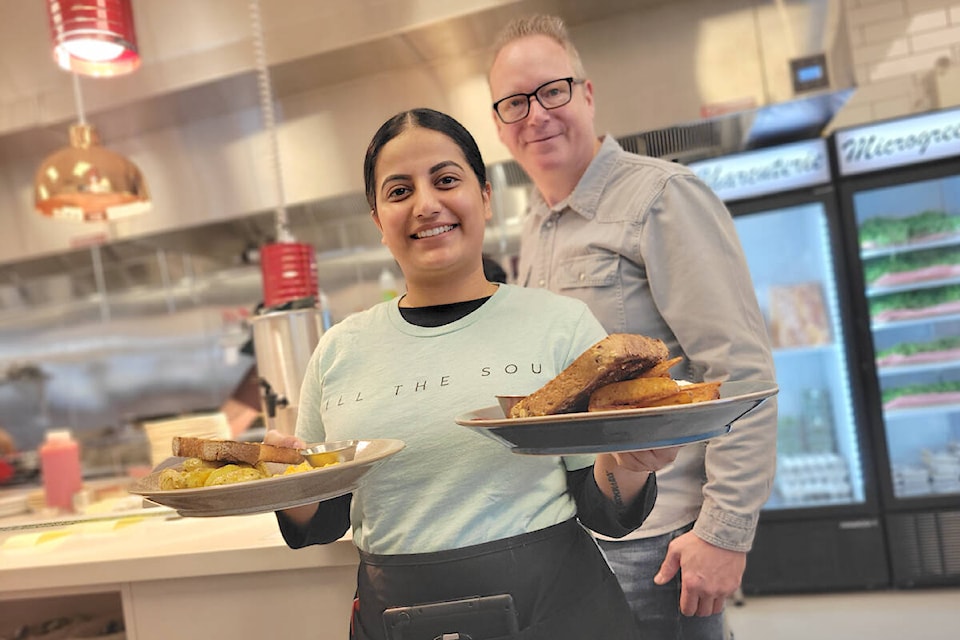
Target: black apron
<point x="561" y="585"/>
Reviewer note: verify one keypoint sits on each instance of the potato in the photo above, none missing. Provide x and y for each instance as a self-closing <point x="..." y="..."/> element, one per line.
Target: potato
<point x="632" y="393"/>
<point x="198" y="477"/>
<point x="199" y="473"/>
<point x="297" y="468"/>
<point x="172" y="479"/>
<point x="703" y="391"/>
<point x="231" y="473"/>
<point x="656" y="391"/>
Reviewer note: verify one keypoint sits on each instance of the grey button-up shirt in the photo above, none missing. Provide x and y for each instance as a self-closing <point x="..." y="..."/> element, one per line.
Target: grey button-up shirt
<point x="652" y="250"/>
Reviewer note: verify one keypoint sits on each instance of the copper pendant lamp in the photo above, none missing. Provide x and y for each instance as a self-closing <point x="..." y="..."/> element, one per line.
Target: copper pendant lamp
<point x="93" y="37"/>
<point x="86" y="182"/>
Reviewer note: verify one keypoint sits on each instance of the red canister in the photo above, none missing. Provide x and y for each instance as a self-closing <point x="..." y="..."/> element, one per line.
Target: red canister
<point x="289" y="271"/>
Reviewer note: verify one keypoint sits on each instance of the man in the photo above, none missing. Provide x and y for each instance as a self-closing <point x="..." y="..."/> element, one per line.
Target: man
<point x="652" y="250"/>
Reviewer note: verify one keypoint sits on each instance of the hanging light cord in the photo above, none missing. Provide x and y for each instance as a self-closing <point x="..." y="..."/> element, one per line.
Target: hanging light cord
<point x="78" y="99"/>
<point x="269" y="119"/>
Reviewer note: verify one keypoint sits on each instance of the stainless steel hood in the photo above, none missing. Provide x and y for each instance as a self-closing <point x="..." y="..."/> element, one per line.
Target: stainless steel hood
<point x="197" y="93"/>
<point x="779" y="123"/>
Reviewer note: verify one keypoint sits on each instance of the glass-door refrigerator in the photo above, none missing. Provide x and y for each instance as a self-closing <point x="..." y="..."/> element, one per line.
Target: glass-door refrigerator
<point x="899" y="186"/>
<point x="820" y="529"/>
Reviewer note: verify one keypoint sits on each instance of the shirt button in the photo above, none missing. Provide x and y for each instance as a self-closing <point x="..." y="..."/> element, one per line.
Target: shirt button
<point x="549" y="224"/>
<point x="542" y="283"/>
<point x="583" y="277"/>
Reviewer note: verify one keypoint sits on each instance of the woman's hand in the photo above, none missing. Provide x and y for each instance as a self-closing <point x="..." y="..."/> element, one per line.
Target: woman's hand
<point x="621" y="476"/>
<point x="278" y="439"/>
<point x="646" y="461"/>
<point x="300" y="515"/>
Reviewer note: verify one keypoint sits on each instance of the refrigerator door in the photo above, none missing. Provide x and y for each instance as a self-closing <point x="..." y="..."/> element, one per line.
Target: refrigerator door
<point x="899" y="187"/>
<point x="790" y="252"/>
<point x="908" y="234"/>
<point x="820" y="529"/>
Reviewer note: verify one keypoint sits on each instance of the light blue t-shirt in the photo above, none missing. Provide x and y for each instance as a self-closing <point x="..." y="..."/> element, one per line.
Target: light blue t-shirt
<point x="374" y="375"/>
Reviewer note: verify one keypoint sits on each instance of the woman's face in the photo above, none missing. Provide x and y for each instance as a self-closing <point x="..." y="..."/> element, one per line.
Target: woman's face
<point x="431" y="208"/>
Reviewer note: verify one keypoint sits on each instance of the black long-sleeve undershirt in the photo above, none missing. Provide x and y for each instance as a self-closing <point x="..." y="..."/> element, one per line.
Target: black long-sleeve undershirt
<point x="594" y="510"/>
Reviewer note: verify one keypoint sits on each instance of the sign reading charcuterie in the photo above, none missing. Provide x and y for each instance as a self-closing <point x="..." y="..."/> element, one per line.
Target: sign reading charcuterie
<point x="773" y="170"/>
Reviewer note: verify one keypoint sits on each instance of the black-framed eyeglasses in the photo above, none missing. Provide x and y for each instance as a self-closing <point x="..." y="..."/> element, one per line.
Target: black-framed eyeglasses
<point x="550" y="95"/>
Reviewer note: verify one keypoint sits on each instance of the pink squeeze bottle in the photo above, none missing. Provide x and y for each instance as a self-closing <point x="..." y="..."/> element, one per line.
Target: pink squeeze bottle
<point x="60" y="468"/>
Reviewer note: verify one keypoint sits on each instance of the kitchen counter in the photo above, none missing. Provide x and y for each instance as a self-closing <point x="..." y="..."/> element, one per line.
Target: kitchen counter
<point x="229" y="576"/>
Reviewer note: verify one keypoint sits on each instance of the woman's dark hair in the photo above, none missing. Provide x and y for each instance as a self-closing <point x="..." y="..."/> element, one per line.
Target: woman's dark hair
<point x="427" y="119"/>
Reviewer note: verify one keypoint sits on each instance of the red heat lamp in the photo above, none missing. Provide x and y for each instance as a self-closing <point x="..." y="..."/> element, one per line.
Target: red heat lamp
<point x="289" y="271"/>
<point x="93" y="37"/>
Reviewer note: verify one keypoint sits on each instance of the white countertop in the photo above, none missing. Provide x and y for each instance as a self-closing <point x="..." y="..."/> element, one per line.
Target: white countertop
<point x="151" y="544"/>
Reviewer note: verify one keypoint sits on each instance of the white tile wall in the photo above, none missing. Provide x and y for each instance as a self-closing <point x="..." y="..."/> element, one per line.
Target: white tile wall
<point x="892" y="108"/>
<point x="917" y="63"/>
<point x="874" y="53"/>
<point x="896" y="47"/>
<point x="938" y="39"/>
<point x="919" y="6"/>
<point x="873" y="12"/>
<point x="930" y="18"/>
<point x="948" y="85"/>
<point x="878" y="32"/>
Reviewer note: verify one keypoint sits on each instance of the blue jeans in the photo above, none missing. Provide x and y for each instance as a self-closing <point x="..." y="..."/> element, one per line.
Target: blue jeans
<point x="656" y="608"/>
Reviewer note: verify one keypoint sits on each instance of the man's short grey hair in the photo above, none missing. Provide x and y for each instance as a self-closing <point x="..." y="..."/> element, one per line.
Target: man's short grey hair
<point x="540" y="25"/>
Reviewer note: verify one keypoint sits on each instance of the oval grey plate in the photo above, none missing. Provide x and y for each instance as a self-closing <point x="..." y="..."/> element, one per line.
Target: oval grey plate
<point x="269" y="494"/>
<point x="621" y="430"/>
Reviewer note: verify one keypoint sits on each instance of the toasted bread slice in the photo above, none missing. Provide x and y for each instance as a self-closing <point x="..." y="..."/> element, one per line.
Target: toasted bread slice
<point x="231" y="451"/>
<point x="617" y="357"/>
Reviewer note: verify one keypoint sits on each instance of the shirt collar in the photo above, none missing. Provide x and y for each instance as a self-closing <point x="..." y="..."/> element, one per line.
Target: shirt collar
<point x="585" y="197"/>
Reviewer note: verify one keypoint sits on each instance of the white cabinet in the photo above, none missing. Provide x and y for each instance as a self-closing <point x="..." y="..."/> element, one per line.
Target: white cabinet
<point x="230" y="577"/>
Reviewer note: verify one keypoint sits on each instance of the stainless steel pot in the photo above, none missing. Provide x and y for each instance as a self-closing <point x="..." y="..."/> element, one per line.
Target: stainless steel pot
<point x="283" y="342"/>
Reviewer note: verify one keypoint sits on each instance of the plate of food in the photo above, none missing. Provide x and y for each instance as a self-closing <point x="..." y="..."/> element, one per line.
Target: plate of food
<point x="621" y="429"/>
<point x="617" y="396"/>
<point x="219" y="478"/>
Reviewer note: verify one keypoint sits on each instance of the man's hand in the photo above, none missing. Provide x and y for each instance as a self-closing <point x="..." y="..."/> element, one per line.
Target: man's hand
<point x="709" y="574"/>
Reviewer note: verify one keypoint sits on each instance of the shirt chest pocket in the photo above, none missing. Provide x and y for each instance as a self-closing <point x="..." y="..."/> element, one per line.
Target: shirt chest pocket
<point x="595" y="270"/>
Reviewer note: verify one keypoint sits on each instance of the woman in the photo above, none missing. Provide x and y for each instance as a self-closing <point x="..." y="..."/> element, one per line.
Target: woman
<point x="456" y="514"/>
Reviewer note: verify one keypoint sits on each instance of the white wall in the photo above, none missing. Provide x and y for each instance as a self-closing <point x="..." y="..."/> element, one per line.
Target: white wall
<point x="902" y="50"/>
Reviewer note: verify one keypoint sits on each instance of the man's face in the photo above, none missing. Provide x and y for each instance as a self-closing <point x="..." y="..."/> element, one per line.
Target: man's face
<point x="560" y="139"/>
